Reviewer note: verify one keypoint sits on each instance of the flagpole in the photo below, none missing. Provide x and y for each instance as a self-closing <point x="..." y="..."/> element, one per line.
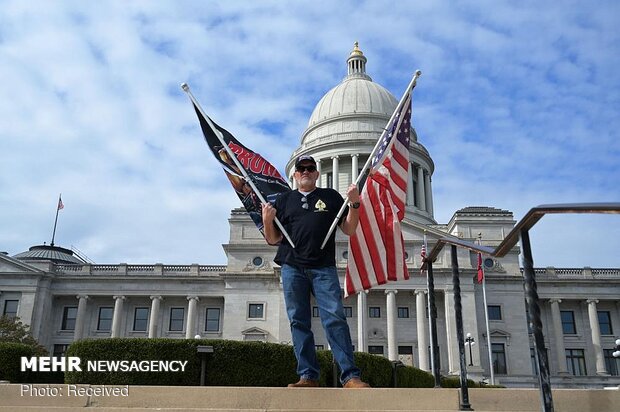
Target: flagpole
<point x="186" y="89"/>
<point x="360" y="176"/>
<point x="56" y="220"/>
<point x="486" y="316"/>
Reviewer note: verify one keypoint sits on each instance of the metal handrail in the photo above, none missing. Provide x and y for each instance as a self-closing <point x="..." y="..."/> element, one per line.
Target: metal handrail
<point x="519" y="233"/>
<point x="528" y="221"/>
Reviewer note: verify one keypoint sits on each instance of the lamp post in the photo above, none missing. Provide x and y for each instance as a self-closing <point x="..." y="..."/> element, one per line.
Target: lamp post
<point x="616" y="353"/>
<point x="470" y="341"/>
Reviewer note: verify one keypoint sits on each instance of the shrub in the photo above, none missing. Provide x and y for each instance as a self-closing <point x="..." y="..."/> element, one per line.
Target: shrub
<point x="455" y="382"/>
<point x="10" y="356"/>
<point x="232" y="363"/>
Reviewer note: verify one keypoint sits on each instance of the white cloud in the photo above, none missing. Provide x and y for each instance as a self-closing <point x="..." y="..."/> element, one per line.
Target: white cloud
<point x="517" y="106"/>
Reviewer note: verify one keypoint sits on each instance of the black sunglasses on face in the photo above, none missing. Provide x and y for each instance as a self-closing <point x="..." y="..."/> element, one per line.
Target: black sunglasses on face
<point x="302" y="169"/>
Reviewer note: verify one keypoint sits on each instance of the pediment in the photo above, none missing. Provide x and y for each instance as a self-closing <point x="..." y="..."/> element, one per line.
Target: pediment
<point x="254" y="331"/>
<point x="8" y="265"/>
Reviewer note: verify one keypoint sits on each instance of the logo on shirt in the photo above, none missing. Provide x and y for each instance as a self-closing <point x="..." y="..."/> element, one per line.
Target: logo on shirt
<point x="320" y="206"/>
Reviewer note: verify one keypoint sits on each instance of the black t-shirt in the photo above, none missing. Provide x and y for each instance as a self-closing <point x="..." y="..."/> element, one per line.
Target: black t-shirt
<point x="308" y="227"/>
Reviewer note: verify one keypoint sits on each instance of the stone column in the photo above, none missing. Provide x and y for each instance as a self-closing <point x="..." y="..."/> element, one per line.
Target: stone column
<point x="560" y="352"/>
<point x="335" y="172"/>
<point x="318" y="168"/>
<point x="410" y="198"/>
<point x="361" y="321"/>
<point x="421" y="197"/>
<point x="80" y="319"/>
<point x="429" y="195"/>
<point x="451" y="341"/>
<point x="354" y="167"/>
<point x="190" y="330"/>
<point x="596" y="337"/>
<point x="118" y="313"/>
<point x="154" y="318"/>
<point x="293" y="181"/>
<point x="420" y="313"/>
<point x="391" y="324"/>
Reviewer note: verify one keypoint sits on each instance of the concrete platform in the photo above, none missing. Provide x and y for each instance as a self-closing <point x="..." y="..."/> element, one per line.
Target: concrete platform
<point x="61" y="398"/>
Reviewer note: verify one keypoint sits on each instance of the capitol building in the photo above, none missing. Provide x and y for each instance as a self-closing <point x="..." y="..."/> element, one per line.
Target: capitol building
<point x="65" y="298"/>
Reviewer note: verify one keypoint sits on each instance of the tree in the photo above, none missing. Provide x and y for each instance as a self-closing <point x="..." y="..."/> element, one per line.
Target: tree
<point x="13" y="330"/>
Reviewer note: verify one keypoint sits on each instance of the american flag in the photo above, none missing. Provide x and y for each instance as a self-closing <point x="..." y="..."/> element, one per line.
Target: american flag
<point x="376" y="249"/>
<point x="423" y="252"/>
<point x="60" y="204"/>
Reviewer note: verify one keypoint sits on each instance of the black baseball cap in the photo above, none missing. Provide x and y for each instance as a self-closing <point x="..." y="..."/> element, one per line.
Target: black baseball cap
<point x="305" y="158"/>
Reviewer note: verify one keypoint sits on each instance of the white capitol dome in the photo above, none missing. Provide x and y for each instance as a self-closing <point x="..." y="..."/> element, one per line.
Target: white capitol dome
<point x="343" y="129"/>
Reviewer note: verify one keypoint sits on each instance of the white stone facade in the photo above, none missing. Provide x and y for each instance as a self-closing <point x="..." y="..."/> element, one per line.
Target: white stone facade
<point x="242" y="300"/>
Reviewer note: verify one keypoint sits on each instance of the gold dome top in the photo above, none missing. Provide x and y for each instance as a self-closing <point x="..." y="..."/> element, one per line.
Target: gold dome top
<point x="356" y="50"/>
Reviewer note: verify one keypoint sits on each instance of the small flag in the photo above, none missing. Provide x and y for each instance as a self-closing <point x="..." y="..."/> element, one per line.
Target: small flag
<point x="423" y="252"/>
<point x="60" y="204"/>
<point x="480" y="271"/>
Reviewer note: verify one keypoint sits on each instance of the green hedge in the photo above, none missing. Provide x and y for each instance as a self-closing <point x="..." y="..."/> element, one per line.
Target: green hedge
<point x="10" y="365"/>
<point x="233" y="363"/>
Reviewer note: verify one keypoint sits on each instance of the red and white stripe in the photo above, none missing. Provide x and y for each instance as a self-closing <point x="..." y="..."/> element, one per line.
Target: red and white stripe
<point x="376" y="250"/>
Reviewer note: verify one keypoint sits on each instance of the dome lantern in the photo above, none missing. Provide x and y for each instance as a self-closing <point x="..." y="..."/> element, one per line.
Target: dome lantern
<point x="357" y="63"/>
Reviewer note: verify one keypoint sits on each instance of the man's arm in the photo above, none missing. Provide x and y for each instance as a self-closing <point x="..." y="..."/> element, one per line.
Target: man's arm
<point x="349" y="225"/>
<point x="273" y="236"/>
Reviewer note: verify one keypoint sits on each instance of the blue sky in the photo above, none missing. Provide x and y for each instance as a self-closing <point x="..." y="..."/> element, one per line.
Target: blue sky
<point x="518" y="106"/>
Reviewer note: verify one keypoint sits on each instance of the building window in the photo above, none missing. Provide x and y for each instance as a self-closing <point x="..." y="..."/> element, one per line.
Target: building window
<point x="403" y="312"/>
<point x="576" y="362"/>
<point x="140" y="319"/>
<point x="604" y="322"/>
<point x="495" y="312"/>
<point x="374" y="312"/>
<point x="568" y="322"/>
<point x="499" y="358"/>
<point x="375" y="349"/>
<point x="10" y="308"/>
<point x="329" y="181"/>
<point x="213" y="320"/>
<point x="315" y="312"/>
<point x="60" y="350"/>
<point x="348" y="311"/>
<point x="104" y="323"/>
<point x="405" y="350"/>
<point x="256" y="311"/>
<point x="319" y="347"/>
<point x="69" y="314"/>
<point x="611" y="363"/>
<point x="177" y="316"/>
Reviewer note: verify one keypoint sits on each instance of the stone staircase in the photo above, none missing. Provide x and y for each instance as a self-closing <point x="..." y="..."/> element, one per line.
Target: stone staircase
<point x="60" y="398"/>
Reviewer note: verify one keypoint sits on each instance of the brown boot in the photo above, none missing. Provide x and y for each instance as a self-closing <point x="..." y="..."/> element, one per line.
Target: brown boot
<point x="304" y="383"/>
<point x="355" y="383"/>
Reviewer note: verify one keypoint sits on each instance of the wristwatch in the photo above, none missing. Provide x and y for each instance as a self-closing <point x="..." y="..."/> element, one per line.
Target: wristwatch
<point x="355" y="205"/>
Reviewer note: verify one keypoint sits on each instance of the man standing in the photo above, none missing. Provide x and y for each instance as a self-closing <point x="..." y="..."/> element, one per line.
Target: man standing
<point x="307" y="214"/>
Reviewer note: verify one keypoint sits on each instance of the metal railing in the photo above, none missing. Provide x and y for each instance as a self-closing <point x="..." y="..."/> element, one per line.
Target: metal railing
<point x="519" y="233"/>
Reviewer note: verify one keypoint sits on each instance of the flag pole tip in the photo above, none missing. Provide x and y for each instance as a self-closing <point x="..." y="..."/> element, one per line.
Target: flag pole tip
<point x="418" y="73"/>
<point x="185" y="87"/>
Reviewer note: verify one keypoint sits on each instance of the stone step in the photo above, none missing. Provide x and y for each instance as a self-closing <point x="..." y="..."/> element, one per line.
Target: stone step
<point x="61" y="398"/>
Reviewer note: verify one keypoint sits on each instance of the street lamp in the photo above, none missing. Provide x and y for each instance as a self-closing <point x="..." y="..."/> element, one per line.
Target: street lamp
<point x="616" y="353"/>
<point x="470" y="341"/>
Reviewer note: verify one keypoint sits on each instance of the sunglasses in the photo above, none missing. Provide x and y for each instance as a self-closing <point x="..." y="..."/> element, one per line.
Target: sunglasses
<point x="302" y="169"/>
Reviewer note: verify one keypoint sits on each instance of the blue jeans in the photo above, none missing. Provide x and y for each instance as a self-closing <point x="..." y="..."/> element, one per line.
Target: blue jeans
<point x="323" y="283"/>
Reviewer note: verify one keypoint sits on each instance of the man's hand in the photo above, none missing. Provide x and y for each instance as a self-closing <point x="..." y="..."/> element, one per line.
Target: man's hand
<point x="353" y="194"/>
<point x="272" y="234"/>
<point x="269" y="213"/>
